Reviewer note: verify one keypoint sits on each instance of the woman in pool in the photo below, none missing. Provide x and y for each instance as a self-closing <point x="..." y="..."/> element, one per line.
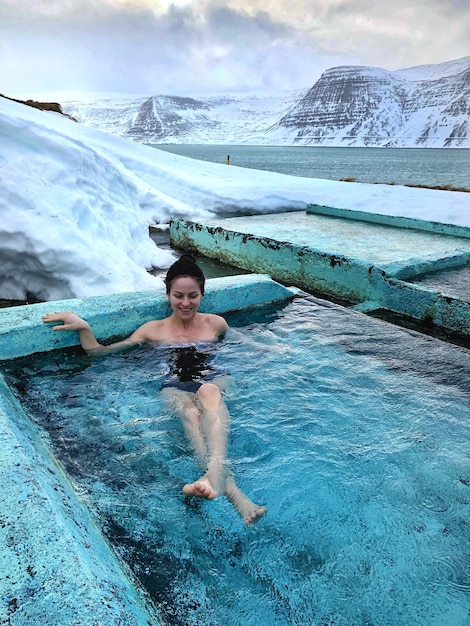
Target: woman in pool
<point x="193" y="389"/>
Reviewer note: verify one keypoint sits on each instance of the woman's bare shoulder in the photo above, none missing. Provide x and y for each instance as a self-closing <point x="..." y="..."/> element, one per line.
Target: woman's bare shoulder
<point x="217" y="322"/>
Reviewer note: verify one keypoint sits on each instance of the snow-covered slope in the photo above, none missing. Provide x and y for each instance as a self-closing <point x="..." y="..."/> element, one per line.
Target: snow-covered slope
<point x="435" y="72"/>
<point x="76" y="203"/>
<point x="425" y="106"/>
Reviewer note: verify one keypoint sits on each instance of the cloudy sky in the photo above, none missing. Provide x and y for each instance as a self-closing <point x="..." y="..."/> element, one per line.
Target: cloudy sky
<point x="196" y="47"/>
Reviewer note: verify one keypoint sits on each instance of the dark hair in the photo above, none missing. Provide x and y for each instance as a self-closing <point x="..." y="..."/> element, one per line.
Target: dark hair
<point x="185" y="266"/>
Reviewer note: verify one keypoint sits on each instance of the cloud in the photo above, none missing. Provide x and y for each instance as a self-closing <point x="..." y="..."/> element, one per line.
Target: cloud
<point x="176" y="52"/>
<point x="198" y="46"/>
<point x="396" y="34"/>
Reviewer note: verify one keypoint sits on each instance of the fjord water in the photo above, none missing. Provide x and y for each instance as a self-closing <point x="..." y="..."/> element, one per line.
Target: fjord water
<point x="402" y="166"/>
<point x="354" y="432"/>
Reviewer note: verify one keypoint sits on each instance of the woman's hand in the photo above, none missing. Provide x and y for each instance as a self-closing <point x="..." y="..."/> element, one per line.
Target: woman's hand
<point x="70" y="320"/>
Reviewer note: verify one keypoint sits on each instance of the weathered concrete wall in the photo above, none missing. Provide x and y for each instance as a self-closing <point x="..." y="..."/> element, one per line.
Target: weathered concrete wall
<point x="56" y="568"/>
<point x="367" y="285"/>
<point x="391" y="220"/>
<point x="427" y="305"/>
<point x="22" y="332"/>
<point x="413" y="268"/>
<point x="301" y="266"/>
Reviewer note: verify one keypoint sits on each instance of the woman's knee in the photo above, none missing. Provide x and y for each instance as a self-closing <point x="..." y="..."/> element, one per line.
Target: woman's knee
<point x="209" y="392"/>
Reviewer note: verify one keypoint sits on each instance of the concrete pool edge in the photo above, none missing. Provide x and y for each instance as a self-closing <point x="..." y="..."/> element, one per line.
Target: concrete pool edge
<point x="22" y="332"/>
<point x="353" y="280"/>
<point x="391" y="220"/>
<point x="60" y="568"/>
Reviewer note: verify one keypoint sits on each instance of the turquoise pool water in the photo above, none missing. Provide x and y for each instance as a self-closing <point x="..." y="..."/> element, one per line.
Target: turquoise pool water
<point x="455" y="282"/>
<point x="354" y="432"/>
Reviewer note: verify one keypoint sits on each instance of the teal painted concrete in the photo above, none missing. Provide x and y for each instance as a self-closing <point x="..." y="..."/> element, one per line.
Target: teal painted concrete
<point x="22" y="332"/>
<point x="416" y="267"/>
<point x="56" y="567"/>
<point x="391" y="220"/>
<point x="361" y="262"/>
<point x="374" y="244"/>
<point x="304" y="267"/>
<point x="427" y="305"/>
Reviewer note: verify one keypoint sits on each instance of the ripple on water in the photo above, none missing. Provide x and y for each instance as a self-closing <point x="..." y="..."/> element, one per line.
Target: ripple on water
<point x="354" y="433"/>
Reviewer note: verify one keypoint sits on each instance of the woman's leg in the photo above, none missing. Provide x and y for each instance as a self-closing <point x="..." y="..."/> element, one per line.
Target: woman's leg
<point x="218" y="479"/>
<point x="214" y="420"/>
<point x="205" y="425"/>
<point x="183" y="403"/>
<point x="207" y="430"/>
<point x="249" y="511"/>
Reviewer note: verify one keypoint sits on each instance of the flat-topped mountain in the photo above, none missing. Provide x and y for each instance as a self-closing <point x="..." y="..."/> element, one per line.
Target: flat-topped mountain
<point x="424" y="106"/>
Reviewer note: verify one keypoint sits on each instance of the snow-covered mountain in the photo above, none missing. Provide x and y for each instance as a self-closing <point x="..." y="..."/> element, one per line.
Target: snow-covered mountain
<point x="368" y="106"/>
<point x="175" y="119"/>
<point x="424" y="106"/>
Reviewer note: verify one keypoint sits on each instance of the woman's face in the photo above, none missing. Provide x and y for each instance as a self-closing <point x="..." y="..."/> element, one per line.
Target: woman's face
<point x="185" y="297"/>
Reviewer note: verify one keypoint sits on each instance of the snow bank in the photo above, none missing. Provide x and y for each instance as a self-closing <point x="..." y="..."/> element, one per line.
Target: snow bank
<point x="76" y="203"/>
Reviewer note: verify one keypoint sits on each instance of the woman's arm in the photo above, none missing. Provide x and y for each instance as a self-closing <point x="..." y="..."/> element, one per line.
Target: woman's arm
<point x="71" y="321"/>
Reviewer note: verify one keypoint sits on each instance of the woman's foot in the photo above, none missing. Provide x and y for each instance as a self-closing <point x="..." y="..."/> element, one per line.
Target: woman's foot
<point x="212" y="484"/>
<point x="252" y="515"/>
<point x="201" y="489"/>
<point x="249" y="511"/>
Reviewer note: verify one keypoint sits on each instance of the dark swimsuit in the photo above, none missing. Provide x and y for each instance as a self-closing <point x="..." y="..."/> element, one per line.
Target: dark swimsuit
<point x="190" y="366"/>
